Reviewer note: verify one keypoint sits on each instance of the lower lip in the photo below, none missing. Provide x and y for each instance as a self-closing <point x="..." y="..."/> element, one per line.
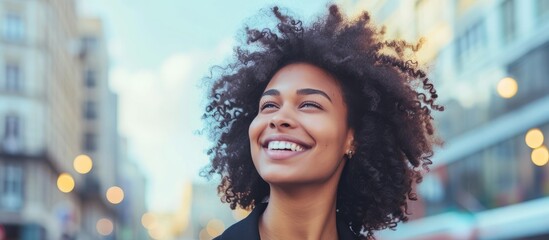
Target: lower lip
<point x="281" y="154"/>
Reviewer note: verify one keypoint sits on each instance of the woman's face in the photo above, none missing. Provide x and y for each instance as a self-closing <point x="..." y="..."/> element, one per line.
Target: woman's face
<point x="300" y="134"/>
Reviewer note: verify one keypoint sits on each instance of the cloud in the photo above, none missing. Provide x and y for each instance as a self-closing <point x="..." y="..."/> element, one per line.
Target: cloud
<point x="159" y="112"/>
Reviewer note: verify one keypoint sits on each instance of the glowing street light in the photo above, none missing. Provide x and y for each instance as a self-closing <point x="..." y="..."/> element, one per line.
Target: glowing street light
<point x="204" y="235"/>
<point x="83" y="164"/>
<point x="534" y="138"/>
<point x="158" y="233"/>
<point x="104" y="226"/>
<point x="239" y="214"/>
<point x="65" y="183"/>
<point x="507" y="87"/>
<point x="147" y="220"/>
<point x="215" y="227"/>
<point x="115" y="195"/>
<point x="540" y="156"/>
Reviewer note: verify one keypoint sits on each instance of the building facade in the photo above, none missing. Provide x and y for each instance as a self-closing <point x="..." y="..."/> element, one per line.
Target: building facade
<point x="39" y="118"/>
<point x="488" y="181"/>
<point x="99" y="137"/>
<point x="131" y="210"/>
<point x="55" y="104"/>
<point x="209" y="217"/>
<point x="101" y="141"/>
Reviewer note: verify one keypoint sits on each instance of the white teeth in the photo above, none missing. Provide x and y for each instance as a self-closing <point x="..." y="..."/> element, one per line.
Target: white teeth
<point x="281" y="145"/>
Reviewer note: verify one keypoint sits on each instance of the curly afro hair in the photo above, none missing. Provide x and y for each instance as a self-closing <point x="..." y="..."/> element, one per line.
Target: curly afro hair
<point x="389" y="100"/>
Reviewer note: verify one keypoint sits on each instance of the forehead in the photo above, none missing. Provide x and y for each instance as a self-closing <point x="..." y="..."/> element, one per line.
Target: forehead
<point x="303" y="75"/>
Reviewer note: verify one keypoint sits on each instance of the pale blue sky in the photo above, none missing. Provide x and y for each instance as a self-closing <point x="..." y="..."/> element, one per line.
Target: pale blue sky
<point x="159" y="51"/>
<point x="152" y="30"/>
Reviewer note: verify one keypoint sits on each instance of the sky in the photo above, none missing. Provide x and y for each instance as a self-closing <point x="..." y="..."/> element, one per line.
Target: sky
<point x="159" y="52"/>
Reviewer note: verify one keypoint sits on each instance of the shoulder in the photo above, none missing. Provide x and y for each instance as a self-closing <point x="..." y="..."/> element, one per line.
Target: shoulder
<point x="239" y="230"/>
<point x="247" y="228"/>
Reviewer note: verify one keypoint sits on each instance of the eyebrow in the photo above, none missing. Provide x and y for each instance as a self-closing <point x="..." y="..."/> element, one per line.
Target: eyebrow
<point x="304" y="91"/>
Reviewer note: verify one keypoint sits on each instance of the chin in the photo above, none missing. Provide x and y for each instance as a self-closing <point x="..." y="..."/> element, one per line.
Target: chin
<point x="273" y="177"/>
<point x="279" y="179"/>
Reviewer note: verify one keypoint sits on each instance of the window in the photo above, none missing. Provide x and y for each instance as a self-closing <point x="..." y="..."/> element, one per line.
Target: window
<point x="13" y="78"/>
<point x="90" y="78"/>
<point x="14" y="29"/>
<point x="89" y="43"/>
<point x="90" y="111"/>
<point x="11" y="142"/>
<point x="505" y="155"/>
<point x="471" y="43"/>
<point x="508" y="21"/>
<point x="11" y="127"/>
<point x="90" y="142"/>
<point x="11" y="187"/>
<point x="530" y="70"/>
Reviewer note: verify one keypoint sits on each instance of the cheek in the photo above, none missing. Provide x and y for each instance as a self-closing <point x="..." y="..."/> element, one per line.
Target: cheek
<point x="256" y="126"/>
<point x="330" y="133"/>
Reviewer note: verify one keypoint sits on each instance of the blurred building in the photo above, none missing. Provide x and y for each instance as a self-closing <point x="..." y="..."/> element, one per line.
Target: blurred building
<point x="171" y="224"/>
<point x="209" y="217"/>
<point x="99" y="136"/>
<point x="489" y="62"/>
<point x="131" y="210"/>
<point x="39" y="118"/>
<point x="56" y="106"/>
<point x="200" y="215"/>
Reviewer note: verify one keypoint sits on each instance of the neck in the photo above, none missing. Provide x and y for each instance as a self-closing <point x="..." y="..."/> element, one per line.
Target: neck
<point x="300" y="212"/>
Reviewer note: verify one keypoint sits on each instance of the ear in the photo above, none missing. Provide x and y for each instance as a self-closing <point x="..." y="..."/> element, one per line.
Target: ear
<point x="350" y="140"/>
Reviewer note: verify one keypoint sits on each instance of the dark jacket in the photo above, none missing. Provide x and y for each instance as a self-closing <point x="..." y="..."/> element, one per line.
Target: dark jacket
<point x="248" y="228"/>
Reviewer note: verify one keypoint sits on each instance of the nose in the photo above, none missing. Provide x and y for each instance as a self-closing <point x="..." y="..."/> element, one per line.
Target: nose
<point x="281" y="120"/>
<point x="273" y="124"/>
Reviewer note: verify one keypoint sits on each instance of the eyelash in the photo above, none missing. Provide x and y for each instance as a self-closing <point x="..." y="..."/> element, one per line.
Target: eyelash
<point x="267" y="104"/>
<point x="316" y="105"/>
<point x="304" y="104"/>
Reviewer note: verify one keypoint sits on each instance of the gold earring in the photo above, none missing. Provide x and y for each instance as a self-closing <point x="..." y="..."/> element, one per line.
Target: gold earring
<point x="350" y="154"/>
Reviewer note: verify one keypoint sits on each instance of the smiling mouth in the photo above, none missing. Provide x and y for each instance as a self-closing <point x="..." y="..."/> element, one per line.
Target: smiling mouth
<point x="285" y="146"/>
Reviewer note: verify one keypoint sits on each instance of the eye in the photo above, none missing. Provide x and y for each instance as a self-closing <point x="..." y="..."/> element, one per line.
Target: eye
<point x="310" y="105"/>
<point x="267" y="105"/>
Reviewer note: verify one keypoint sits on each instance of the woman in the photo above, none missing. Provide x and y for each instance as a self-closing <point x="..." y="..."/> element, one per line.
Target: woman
<point x="321" y="130"/>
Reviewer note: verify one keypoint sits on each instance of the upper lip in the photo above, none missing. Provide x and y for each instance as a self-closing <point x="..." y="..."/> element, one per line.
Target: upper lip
<point x="287" y="138"/>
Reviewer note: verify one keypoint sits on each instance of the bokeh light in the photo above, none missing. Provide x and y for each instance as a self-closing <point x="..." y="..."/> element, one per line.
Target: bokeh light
<point x="104" y="226"/>
<point x="147" y="220"/>
<point x="82" y="164"/>
<point x="156" y="233"/>
<point x="204" y="235"/>
<point x="239" y="214"/>
<point x="540" y="156"/>
<point x="115" y="195"/>
<point x="507" y="87"/>
<point x="215" y="227"/>
<point x="65" y="183"/>
<point x="534" y="138"/>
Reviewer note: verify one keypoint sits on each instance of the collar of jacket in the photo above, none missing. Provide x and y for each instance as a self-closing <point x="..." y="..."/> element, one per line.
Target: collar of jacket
<point x="248" y="228"/>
